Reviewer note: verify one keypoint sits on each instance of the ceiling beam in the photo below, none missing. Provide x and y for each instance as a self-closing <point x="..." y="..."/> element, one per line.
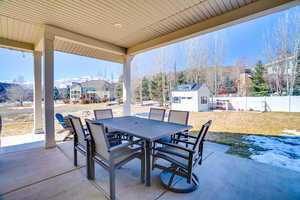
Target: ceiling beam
<point x="16" y="45"/>
<point x="251" y="11"/>
<point x="77" y="38"/>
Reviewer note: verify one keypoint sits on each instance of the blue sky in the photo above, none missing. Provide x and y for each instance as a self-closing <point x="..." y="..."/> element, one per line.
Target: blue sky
<point x="242" y="41"/>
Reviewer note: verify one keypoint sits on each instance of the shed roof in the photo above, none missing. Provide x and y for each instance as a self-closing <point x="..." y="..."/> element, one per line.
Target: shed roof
<point x="189" y="87"/>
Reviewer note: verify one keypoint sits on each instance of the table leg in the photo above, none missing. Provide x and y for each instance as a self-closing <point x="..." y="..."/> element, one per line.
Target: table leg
<point x="148" y="157"/>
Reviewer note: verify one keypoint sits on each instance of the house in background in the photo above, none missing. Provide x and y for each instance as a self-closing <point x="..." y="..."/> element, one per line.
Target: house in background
<point x="192" y="97"/>
<point x="93" y="91"/>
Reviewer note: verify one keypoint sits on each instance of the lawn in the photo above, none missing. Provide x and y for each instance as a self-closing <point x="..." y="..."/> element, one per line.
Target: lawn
<point x="19" y="121"/>
<point x="267" y="123"/>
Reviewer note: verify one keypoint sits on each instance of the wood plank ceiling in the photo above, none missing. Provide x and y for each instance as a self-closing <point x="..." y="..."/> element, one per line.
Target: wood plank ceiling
<point x="124" y="23"/>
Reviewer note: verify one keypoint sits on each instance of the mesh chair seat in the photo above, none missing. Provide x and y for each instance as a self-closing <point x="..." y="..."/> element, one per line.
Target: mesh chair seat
<point x="169" y="153"/>
<point x="122" y="154"/>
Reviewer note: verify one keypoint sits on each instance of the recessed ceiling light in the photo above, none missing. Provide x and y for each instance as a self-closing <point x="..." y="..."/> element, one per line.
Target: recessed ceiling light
<point x="118" y="25"/>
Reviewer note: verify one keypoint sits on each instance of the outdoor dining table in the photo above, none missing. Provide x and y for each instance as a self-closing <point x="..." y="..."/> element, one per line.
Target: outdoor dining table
<point x="146" y="129"/>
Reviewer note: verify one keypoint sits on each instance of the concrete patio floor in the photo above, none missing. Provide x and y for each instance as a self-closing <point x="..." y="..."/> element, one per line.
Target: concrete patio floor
<point x="49" y="174"/>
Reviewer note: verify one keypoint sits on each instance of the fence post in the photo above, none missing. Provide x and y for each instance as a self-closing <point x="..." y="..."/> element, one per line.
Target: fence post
<point x="289" y="103"/>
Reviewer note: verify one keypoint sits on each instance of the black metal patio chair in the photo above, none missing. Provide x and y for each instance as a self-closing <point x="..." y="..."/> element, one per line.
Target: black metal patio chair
<point x="81" y="142"/>
<point x="182" y="160"/>
<point x="178" y="117"/>
<point x="103" y="113"/>
<point x="107" y="114"/>
<point x="157" y="114"/>
<point x="111" y="157"/>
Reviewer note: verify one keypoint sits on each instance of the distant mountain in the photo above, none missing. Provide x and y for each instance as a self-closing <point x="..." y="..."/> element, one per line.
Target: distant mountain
<point x="63" y="83"/>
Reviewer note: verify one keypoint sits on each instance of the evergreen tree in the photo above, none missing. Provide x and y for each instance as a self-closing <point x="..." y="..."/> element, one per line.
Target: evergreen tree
<point x="56" y="94"/>
<point x="67" y="94"/>
<point x="296" y="90"/>
<point x="145" y="89"/>
<point x="181" y="79"/>
<point x="119" y="89"/>
<point x="259" y="87"/>
<point x="137" y="94"/>
<point x="155" y="87"/>
<point x="229" y="85"/>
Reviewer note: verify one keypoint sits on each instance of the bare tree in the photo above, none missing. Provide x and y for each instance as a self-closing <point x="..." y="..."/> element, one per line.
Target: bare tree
<point x="197" y="59"/>
<point x="216" y="56"/>
<point x="16" y="93"/>
<point x="280" y="45"/>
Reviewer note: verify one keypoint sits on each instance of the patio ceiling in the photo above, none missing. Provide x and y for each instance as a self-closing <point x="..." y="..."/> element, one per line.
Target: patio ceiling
<point x="110" y="29"/>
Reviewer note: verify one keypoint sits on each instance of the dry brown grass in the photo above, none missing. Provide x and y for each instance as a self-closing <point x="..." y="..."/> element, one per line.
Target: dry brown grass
<point x="268" y="123"/>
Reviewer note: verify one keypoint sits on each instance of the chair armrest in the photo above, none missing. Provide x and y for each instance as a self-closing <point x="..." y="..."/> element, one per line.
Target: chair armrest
<point x="161" y="149"/>
<point x="187" y="135"/>
<point x="182" y="141"/>
<point x="88" y="138"/>
<point x="176" y="146"/>
<point x="120" y="146"/>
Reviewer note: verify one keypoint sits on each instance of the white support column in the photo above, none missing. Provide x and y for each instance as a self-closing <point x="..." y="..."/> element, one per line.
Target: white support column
<point x="38" y="127"/>
<point x="48" y="91"/>
<point x="127" y="86"/>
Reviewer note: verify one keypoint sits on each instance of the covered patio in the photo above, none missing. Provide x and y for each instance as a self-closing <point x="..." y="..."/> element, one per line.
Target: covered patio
<point x="117" y="31"/>
<point x="50" y="174"/>
<point x="111" y="30"/>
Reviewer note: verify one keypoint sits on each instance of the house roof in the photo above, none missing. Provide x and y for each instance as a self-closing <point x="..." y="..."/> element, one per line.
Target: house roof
<point x="92" y="84"/>
<point x="189" y="87"/>
<point x="109" y="29"/>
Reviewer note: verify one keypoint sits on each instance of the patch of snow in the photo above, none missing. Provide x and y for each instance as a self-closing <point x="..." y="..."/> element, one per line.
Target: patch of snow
<point x="19" y="108"/>
<point x="292" y="132"/>
<point x="278" y="160"/>
<point x="283" y="151"/>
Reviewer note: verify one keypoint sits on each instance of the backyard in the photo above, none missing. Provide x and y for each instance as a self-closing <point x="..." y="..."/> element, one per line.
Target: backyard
<point x="269" y="137"/>
<point x="19" y="120"/>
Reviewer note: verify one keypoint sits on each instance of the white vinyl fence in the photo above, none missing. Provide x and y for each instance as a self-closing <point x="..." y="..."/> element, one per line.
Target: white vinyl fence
<point x="275" y="103"/>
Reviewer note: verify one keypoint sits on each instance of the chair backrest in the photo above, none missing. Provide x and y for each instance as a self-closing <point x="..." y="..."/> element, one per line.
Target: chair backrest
<point x="99" y="138"/>
<point x="157" y="114"/>
<point x="80" y="135"/>
<point x="103" y="114"/>
<point x="200" y="138"/>
<point x="60" y="119"/>
<point x="68" y="123"/>
<point x="179" y="117"/>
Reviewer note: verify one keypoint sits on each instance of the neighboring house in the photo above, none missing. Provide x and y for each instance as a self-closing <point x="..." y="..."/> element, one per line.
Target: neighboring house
<point x="244" y="83"/>
<point x="192" y="97"/>
<point x="284" y="66"/>
<point x="91" y="91"/>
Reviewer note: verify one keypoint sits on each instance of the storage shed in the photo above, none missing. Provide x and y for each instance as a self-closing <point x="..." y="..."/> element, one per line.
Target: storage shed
<point x="191" y="97"/>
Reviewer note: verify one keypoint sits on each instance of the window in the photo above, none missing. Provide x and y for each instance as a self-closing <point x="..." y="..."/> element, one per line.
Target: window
<point x="182" y="97"/>
<point x="204" y="100"/>
<point x="189" y="97"/>
<point x="176" y="100"/>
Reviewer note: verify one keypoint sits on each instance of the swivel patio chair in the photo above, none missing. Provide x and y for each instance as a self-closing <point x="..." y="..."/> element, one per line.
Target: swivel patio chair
<point x="157" y="114"/>
<point x="183" y="161"/>
<point x="81" y="142"/>
<point x="111" y="157"/>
